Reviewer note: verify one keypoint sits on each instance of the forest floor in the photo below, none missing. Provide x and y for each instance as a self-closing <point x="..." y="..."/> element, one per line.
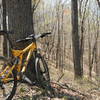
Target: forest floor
<point x="65" y="88"/>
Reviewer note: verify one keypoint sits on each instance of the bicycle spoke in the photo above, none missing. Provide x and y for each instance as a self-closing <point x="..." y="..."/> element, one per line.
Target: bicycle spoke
<point x="42" y="72"/>
<point x="8" y="81"/>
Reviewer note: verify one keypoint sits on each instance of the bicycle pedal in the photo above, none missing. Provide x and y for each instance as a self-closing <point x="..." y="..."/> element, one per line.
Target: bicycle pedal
<point x="24" y="77"/>
<point x="4" y="93"/>
<point x="2" y="86"/>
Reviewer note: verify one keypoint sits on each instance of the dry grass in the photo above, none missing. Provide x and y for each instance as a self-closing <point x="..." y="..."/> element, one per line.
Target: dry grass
<point x="86" y="85"/>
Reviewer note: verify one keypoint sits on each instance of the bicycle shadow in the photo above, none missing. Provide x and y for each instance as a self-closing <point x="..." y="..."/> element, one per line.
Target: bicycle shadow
<point x="57" y="95"/>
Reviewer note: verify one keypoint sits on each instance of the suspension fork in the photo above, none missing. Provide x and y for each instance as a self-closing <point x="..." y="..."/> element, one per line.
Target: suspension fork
<point x="37" y="53"/>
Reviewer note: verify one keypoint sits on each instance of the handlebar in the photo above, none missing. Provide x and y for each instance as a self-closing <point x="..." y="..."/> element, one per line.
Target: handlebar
<point x="2" y="32"/>
<point x="44" y="34"/>
<point x="32" y="36"/>
<point x="41" y="35"/>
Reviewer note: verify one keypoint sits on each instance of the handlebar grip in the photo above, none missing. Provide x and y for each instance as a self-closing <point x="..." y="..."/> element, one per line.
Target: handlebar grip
<point x="44" y="34"/>
<point x="23" y="40"/>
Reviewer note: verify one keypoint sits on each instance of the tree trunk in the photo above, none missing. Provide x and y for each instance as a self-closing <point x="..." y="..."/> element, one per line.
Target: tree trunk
<point x="75" y="40"/>
<point x="20" y="19"/>
<point x="20" y="22"/>
<point x="4" y="28"/>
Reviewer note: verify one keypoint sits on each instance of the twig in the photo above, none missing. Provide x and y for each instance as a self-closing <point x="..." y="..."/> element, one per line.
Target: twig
<point x="65" y="86"/>
<point x="35" y="6"/>
<point x="60" y="77"/>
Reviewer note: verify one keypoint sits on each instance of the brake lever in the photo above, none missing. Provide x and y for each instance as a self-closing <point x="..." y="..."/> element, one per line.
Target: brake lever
<point x="31" y="35"/>
<point x="44" y="34"/>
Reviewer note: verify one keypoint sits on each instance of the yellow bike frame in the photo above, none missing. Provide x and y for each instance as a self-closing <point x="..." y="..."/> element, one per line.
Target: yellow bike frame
<point x="18" y="53"/>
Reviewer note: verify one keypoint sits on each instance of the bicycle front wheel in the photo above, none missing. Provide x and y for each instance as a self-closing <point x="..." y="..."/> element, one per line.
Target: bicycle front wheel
<point x="42" y="71"/>
<point x="8" y="88"/>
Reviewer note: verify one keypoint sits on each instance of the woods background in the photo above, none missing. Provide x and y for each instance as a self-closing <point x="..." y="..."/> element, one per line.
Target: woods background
<point x="55" y="16"/>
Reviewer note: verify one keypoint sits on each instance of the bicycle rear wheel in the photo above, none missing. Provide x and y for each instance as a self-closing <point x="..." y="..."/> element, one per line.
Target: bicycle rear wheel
<point x="42" y="71"/>
<point x="8" y="89"/>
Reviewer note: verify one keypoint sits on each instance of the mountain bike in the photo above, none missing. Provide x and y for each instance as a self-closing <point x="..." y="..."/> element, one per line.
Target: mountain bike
<point x="12" y="70"/>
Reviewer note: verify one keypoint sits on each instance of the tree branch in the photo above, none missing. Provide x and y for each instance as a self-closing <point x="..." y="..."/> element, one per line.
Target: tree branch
<point x="35" y="6"/>
<point x="98" y="1"/>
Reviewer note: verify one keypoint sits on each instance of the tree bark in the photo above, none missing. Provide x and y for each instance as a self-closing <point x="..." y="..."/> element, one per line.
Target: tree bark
<point x="20" y="22"/>
<point x="98" y="3"/>
<point x="75" y="40"/>
<point x="4" y="28"/>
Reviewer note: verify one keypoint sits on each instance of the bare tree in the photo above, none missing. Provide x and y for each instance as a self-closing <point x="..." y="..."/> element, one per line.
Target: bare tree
<point x="82" y="28"/>
<point x="98" y="1"/>
<point x="20" y="22"/>
<point x="4" y="28"/>
<point x="75" y="40"/>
